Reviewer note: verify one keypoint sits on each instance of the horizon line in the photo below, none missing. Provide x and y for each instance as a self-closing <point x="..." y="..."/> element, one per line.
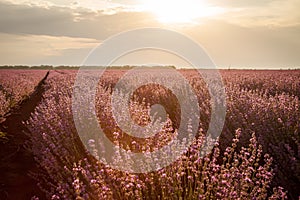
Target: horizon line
<point x="146" y="66"/>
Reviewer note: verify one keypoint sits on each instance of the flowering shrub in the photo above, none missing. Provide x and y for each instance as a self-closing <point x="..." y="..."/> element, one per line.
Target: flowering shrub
<point x="267" y="103"/>
<point x="15" y="85"/>
<point x="242" y="164"/>
<point x="4" y="103"/>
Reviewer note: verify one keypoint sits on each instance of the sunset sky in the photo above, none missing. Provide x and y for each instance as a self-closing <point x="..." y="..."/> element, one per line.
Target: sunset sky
<point x="236" y="33"/>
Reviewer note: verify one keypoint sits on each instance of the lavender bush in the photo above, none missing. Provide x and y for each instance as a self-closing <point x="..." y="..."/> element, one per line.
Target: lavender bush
<point x="246" y="163"/>
<point x="15" y="85"/>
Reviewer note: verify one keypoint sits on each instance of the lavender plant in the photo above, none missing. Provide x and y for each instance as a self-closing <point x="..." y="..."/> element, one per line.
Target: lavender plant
<point x="239" y="166"/>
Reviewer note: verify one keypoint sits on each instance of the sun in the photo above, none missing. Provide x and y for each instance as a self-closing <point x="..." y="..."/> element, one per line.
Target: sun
<point x="179" y="11"/>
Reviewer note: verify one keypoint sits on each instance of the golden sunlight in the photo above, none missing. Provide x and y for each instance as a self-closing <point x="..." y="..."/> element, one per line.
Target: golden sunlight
<point x="180" y="11"/>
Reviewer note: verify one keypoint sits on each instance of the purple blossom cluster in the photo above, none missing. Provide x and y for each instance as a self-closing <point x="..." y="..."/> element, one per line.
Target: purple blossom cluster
<point x="15" y="85"/>
<point x="255" y="154"/>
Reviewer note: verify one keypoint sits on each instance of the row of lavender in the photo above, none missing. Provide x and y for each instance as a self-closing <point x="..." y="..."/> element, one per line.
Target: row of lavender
<point x="262" y="106"/>
<point x="267" y="103"/>
<point x="15" y="85"/>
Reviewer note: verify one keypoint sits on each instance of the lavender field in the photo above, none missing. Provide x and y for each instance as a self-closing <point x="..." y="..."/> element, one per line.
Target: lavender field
<point x="257" y="155"/>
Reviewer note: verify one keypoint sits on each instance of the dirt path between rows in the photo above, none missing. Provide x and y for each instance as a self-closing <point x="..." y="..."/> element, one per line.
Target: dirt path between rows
<point x="16" y="161"/>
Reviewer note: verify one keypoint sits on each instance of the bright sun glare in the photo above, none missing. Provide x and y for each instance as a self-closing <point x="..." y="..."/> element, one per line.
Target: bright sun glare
<point x="180" y="11"/>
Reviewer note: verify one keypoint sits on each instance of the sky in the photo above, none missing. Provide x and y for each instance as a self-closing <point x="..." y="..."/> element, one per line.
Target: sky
<point x="253" y="34"/>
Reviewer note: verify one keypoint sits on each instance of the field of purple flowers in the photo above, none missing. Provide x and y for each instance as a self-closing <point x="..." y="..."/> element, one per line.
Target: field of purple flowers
<point x="15" y="85"/>
<point x="257" y="155"/>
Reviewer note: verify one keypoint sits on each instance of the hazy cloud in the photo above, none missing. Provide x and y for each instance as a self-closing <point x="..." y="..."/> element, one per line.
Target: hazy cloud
<point x="30" y="49"/>
<point x="249" y="47"/>
<point x="271" y="13"/>
<point x="251" y="33"/>
<point x="62" y="21"/>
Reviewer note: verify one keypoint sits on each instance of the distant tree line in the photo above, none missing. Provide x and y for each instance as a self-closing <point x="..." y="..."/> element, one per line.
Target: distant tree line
<point x="50" y="67"/>
<point x="46" y="67"/>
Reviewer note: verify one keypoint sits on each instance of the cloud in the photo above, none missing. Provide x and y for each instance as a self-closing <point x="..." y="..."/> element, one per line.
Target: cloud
<point x="63" y="21"/>
<point x="272" y="13"/>
<point x="45" y="33"/>
<point x="249" y="47"/>
<point x="263" y="33"/>
<point x="29" y="49"/>
<point x="241" y="12"/>
<point x="241" y="3"/>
